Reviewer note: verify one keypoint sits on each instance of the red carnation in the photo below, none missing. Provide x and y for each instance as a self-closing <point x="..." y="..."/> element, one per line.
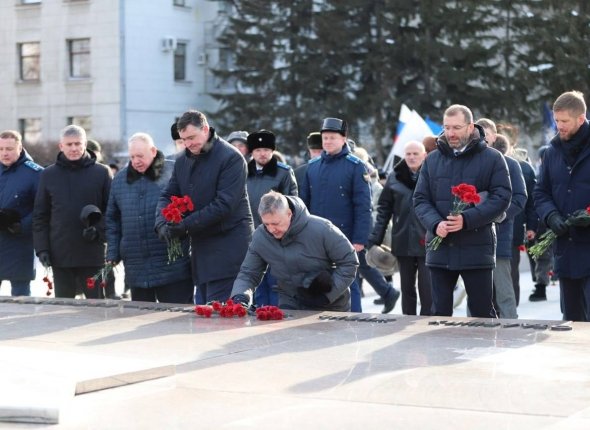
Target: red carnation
<point x="90" y="283"/>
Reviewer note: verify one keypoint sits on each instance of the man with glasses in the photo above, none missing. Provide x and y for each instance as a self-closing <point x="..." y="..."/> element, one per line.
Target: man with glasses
<point x="468" y="248"/>
<point x="213" y="174"/>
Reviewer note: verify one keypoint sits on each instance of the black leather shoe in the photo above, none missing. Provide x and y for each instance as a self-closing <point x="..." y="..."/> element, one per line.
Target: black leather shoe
<point x="390" y="302"/>
<point x="378" y="301"/>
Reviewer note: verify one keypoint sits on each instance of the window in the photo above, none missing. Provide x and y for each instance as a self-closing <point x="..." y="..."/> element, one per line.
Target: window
<point x="180" y="62"/>
<point x="83" y="121"/>
<point x="30" y="129"/>
<point x="79" y="52"/>
<point x="30" y="61"/>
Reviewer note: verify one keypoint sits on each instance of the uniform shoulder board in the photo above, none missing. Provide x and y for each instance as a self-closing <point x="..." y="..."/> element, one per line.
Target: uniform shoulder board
<point x="353" y="158"/>
<point x="32" y="165"/>
<point x="313" y="160"/>
<point x="283" y="165"/>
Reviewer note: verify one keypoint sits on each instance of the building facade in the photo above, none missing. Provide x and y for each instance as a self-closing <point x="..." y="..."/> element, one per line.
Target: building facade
<point x="115" y="67"/>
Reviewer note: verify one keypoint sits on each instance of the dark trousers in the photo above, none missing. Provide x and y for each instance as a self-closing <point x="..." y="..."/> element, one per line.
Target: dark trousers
<point x="217" y="290"/>
<point x="373" y="277"/>
<point x="478" y="285"/>
<point x="408" y="268"/>
<point x="575" y="298"/>
<point x="69" y="280"/>
<point x="266" y="292"/>
<point x="515" y="273"/>
<point x="176" y="292"/>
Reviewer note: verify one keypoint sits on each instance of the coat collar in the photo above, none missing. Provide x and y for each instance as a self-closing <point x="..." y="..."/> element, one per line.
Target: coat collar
<point x="153" y="172"/>
<point x="269" y="169"/>
<point x="404" y="175"/>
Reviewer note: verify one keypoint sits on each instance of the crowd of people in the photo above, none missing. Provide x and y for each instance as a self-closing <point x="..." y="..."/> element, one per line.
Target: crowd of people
<point x="259" y="232"/>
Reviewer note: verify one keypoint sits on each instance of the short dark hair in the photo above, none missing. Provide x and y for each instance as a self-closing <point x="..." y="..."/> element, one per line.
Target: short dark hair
<point x="191" y="117"/>
<point x="502" y="143"/>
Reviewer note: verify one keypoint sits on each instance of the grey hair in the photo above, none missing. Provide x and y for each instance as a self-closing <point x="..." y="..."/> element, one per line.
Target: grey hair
<point x="74" y="131"/>
<point x="272" y="202"/>
<point x="144" y="137"/>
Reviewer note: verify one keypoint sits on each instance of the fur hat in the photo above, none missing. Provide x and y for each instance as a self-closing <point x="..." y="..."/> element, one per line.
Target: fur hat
<point x="261" y="139"/>
<point x="381" y="258"/>
<point x="174" y="131"/>
<point x="314" y="140"/>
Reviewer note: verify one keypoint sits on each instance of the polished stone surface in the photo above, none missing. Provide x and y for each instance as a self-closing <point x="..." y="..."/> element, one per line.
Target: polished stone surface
<point x="308" y="371"/>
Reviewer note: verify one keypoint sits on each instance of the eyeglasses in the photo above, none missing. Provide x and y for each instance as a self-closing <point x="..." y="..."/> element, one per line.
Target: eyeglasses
<point x="455" y="127"/>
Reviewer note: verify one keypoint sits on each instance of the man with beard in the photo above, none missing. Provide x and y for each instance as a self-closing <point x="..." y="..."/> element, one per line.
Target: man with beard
<point x="76" y="182"/>
<point x="468" y="248"/>
<point x="266" y="173"/>
<point x="563" y="189"/>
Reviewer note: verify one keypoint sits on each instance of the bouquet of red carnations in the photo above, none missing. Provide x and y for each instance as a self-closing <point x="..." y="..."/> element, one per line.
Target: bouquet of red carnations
<point x="465" y="195"/>
<point x="547" y="238"/>
<point x="173" y="213"/>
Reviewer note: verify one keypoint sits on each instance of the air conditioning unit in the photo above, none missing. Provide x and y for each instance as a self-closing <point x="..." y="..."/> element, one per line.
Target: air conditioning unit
<point x="202" y="58"/>
<point x="168" y="44"/>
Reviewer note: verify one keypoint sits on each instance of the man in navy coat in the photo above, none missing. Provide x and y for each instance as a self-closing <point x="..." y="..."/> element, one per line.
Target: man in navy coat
<point x="468" y="248"/>
<point x="19" y="177"/>
<point x="564" y="188"/>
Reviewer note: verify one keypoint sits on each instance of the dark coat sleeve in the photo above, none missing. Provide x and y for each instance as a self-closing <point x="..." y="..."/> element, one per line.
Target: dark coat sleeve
<point x="385" y="207"/>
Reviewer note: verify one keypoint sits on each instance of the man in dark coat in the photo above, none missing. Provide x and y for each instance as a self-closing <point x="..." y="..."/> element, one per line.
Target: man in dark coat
<point x="504" y="289"/>
<point x="468" y="248"/>
<point x="312" y="260"/>
<point x="266" y="173"/>
<point x="63" y="239"/>
<point x="564" y="188"/>
<point x="213" y="174"/>
<point x="19" y="177"/>
<point x="407" y="234"/>
<point x="314" y="147"/>
<point x="130" y="222"/>
<point x="336" y="187"/>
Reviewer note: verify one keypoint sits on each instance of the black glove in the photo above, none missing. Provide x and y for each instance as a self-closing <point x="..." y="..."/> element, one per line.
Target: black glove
<point x="177" y="231"/>
<point x="580" y="222"/>
<point x="321" y="284"/>
<point x="557" y="223"/>
<point x="14" y="228"/>
<point x="163" y="233"/>
<point x="311" y="301"/>
<point x="43" y="257"/>
<point x="241" y="299"/>
<point x="90" y="234"/>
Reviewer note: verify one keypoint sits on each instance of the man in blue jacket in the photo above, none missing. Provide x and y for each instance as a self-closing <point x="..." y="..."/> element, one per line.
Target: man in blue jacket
<point x="564" y="188"/>
<point x="19" y="177"/>
<point x="336" y="187"/>
<point x="468" y="248"/>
